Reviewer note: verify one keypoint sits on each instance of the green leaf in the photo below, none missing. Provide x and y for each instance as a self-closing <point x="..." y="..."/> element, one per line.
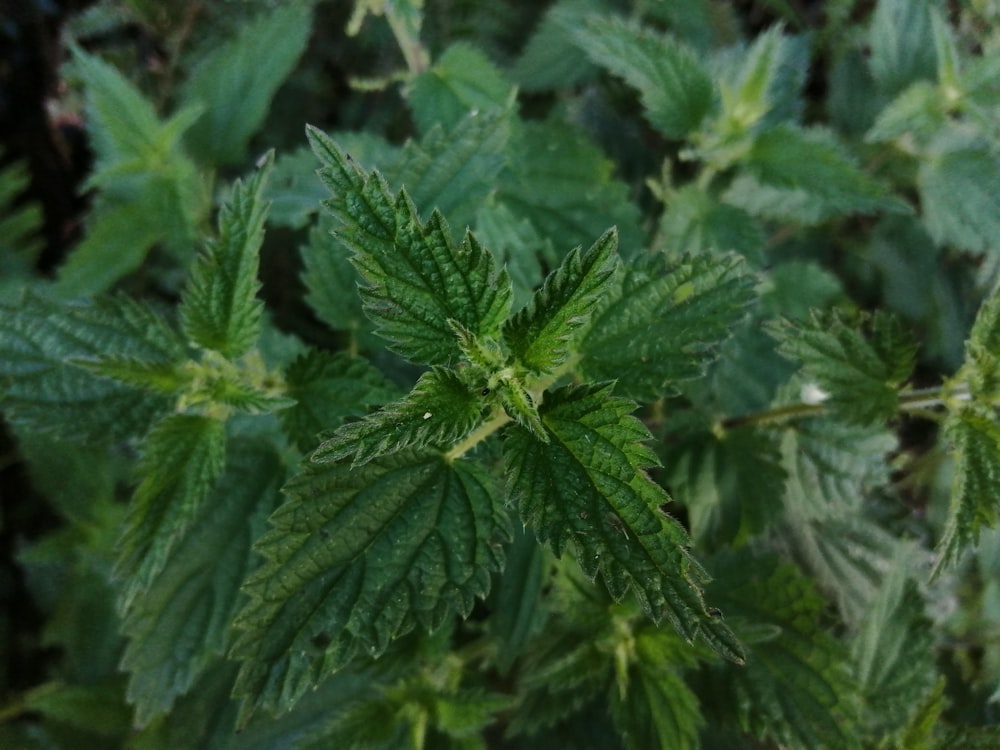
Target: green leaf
<point x="517" y="610"/>
<point x="358" y="557"/>
<point x="454" y="169"/>
<point x="694" y="223"/>
<point x="219" y="309"/>
<point x="461" y="81"/>
<point x="180" y="625"/>
<point x="556" y="177"/>
<point x="544" y="333"/>
<point x="677" y="91"/>
<point x="587" y="487"/>
<point x="332" y="281"/>
<point x="327" y="388"/>
<point x="440" y="410"/>
<point x="902" y="44"/>
<point x="859" y="365"/>
<point x="667" y="324"/>
<point x="46" y="387"/>
<point x="418" y="278"/>
<point x="517" y="245"/>
<point x="550" y="59"/>
<point x="182" y="457"/>
<point x="806" y="176"/>
<point x="795" y="689"/>
<point x="974" y="435"/>
<point x="237" y="80"/>
<point x="960" y="197"/>
<point x="20" y="225"/>
<point x="918" y="111"/>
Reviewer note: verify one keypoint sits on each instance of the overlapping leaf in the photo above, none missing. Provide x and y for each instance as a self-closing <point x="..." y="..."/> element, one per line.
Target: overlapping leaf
<point x="183" y="456"/>
<point x="220" y="309"/>
<point x="860" y="365"/>
<point x="440" y="410"/>
<point x="356" y="558"/>
<point x="418" y="278"/>
<point x="586" y="487"/>
<point x="667" y="324"/>
<point x="541" y="336"/>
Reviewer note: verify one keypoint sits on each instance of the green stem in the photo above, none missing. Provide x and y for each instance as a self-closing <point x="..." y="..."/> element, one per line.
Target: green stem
<point x="406" y="32"/>
<point x="478" y="435"/>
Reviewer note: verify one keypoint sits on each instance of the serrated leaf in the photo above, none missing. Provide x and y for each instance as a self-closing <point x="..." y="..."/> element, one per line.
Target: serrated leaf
<point x="440" y="410"/>
<point x="328" y="387"/>
<point x="666" y="324"/>
<point x="358" y="557"/>
<point x="453" y="169"/>
<point x="960" y="197"/>
<point x="918" y="110"/>
<point x="556" y="177"/>
<point x="860" y="365"/>
<point x="550" y="59"/>
<point x="180" y="625"/>
<point x="517" y="610"/>
<point x="660" y="710"/>
<point x="462" y="80"/>
<point x="517" y="246"/>
<point x="587" y="487"/>
<point x="332" y="281"/>
<point x="219" y="308"/>
<point x="418" y="278"/>
<point x="182" y="457"/>
<point x="543" y="334"/>
<point x="795" y="689"/>
<point x="677" y="91"/>
<point x="805" y="175"/>
<point x="902" y="44"/>
<point x="238" y="78"/>
<point x="45" y="390"/>
<point x="694" y="223"/>
<point x="974" y="435"/>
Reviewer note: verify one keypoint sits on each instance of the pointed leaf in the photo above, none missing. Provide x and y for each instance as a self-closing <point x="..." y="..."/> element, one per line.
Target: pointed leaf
<point x="440" y="410"/>
<point x="332" y="281"/>
<point x="667" y="324"/>
<point x="418" y="278"/>
<point x="543" y="334"/>
<point x="902" y="44"/>
<point x="358" y="557"/>
<point x="219" y="308"/>
<point x="587" y="487"/>
<point x="182" y="457"/>
<point x="550" y="59"/>
<point x="237" y="80"/>
<point x="677" y="91"/>
<point x="960" y="197"/>
<point x="694" y="223"/>
<point x="45" y="387"/>
<point x="181" y="624"/>
<point x="860" y="365"/>
<point x="660" y="710"/>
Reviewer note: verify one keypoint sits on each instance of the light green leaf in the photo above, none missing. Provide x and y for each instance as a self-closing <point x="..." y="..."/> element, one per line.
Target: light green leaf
<point x="440" y="410"/>
<point x="902" y="44"/>
<point x="358" y="557"/>
<point x="236" y="81"/>
<point x="960" y="197"/>
<point x="859" y="365"/>
<point x="461" y="81"/>
<point x="587" y="487"/>
<point x="795" y="689"/>
<point x="544" y="333"/>
<point x="805" y="175"/>
<point x="327" y="387"/>
<point x="694" y="223"/>
<point x="677" y="91"/>
<point x="454" y="169"/>
<point x="918" y="110"/>
<point x="182" y="457"/>
<point x="418" y="278"/>
<point x="667" y="323"/>
<point x="180" y="625"/>
<point x="556" y="177"/>
<point x="974" y="435"/>
<point x="219" y="308"/>
<point x="44" y="385"/>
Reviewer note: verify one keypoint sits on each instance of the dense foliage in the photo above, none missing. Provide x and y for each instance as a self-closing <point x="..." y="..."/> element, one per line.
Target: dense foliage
<point x="629" y="377"/>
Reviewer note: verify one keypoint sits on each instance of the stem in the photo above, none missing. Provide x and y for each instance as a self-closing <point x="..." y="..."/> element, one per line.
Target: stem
<point x="406" y="33"/>
<point x="474" y="438"/>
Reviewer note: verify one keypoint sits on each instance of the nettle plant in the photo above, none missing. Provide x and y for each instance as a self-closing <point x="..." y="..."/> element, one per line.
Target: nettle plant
<point x="660" y="492"/>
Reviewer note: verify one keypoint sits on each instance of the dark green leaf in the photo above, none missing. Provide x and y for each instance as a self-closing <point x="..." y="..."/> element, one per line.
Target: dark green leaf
<point x="587" y="487"/>
<point x="332" y="282"/>
<point x="418" y="278"/>
<point x="677" y="91"/>
<point x="695" y="224"/>
<point x="543" y="335"/>
<point x="902" y="43"/>
<point x="219" y="309"/>
<point x="440" y="410"/>
<point x="182" y="457"/>
<point x="667" y="323"/>
<point x="550" y="59"/>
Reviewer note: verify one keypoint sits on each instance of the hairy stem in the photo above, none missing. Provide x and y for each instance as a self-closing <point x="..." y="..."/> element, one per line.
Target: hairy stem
<point x="474" y="438"/>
